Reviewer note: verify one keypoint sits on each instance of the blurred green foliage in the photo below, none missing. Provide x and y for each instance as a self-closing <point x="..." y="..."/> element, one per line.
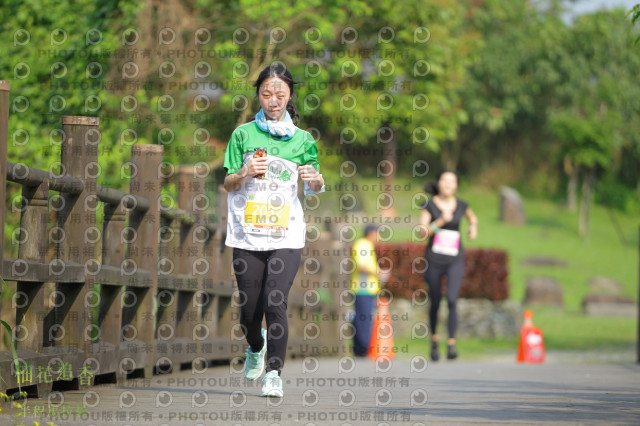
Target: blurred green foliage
<point x="58" y="58"/>
<point x="506" y="91"/>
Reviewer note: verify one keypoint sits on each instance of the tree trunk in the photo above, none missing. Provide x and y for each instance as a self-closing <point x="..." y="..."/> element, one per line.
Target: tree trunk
<point x="585" y="203"/>
<point x="257" y="65"/>
<point x="389" y="170"/>
<point x="450" y="153"/>
<point x="572" y="186"/>
<point x="444" y="154"/>
<point x="455" y="154"/>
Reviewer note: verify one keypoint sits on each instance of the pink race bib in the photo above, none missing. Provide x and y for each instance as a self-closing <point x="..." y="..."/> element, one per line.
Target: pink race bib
<point x="446" y="242"/>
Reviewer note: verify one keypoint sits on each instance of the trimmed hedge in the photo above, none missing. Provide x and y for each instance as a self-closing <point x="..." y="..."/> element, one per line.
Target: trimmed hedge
<point x="485" y="274"/>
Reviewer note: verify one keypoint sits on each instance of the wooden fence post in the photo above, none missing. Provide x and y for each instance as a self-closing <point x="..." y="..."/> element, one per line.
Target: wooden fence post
<point x="76" y="220"/>
<point x="143" y="250"/>
<point x="4" y="132"/>
<point x="167" y="293"/>
<point x="110" y="309"/>
<point x="230" y="341"/>
<point x="192" y="265"/>
<point x="218" y="286"/>
<point x="30" y="295"/>
<point x="209" y="306"/>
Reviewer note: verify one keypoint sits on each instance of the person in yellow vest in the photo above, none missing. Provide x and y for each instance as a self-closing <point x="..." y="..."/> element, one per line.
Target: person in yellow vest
<point x="365" y="284"/>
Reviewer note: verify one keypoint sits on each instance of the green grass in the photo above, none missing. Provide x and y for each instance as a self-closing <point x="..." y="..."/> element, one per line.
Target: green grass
<point x="574" y="331"/>
<point x="469" y="348"/>
<point x="562" y="331"/>
<point x="551" y="231"/>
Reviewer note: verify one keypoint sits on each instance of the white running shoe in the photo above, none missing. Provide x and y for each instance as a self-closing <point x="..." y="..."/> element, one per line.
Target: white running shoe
<point x="272" y="384"/>
<point x="254" y="362"/>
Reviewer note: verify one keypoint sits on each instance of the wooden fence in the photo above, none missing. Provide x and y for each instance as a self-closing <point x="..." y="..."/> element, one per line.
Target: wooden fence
<point x="151" y="291"/>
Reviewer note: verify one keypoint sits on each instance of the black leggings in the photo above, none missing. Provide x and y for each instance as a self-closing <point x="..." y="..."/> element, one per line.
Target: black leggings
<point x="264" y="280"/>
<point x="433" y="276"/>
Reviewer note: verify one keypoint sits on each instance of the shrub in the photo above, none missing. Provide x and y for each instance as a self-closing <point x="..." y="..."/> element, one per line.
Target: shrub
<point x="485" y="274"/>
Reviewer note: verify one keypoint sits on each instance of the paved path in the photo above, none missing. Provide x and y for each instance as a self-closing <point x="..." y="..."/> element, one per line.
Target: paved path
<point x="332" y="391"/>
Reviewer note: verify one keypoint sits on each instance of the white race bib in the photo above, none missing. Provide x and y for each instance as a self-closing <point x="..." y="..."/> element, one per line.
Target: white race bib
<point x="446" y="242"/>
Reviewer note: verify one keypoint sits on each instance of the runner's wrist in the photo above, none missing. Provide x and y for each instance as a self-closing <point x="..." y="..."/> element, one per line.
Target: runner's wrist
<point x="243" y="172"/>
<point x="434" y="228"/>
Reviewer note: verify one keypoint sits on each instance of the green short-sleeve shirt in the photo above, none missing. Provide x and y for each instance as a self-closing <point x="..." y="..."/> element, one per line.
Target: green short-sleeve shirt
<point x="300" y="149"/>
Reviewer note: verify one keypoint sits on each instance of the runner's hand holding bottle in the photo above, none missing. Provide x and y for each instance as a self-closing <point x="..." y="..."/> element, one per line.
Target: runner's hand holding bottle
<point x="255" y="166"/>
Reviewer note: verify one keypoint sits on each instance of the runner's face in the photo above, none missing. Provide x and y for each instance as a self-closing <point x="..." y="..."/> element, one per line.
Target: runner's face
<point x="274" y="94"/>
<point x="448" y="184"/>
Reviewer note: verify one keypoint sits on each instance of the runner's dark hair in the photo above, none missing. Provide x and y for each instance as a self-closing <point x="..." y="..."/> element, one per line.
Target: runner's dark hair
<point x="431" y="187"/>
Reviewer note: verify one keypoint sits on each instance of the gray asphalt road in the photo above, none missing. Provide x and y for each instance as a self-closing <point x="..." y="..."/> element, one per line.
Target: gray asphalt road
<point x="332" y="391"/>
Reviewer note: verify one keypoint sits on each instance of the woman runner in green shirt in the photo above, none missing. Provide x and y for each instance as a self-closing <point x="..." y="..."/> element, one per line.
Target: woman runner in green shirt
<point x="265" y="225"/>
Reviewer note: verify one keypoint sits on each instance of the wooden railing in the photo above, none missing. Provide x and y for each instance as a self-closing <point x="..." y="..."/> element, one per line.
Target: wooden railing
<point x="150" y="292"/>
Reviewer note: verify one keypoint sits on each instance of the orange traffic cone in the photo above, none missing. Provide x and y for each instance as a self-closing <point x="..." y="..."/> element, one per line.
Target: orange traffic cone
<point x="381" y="343"/>
<point x="531" y="344"/>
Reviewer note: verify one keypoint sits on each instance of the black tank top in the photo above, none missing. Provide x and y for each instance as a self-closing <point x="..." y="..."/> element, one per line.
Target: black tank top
<point x="454" y="225"/>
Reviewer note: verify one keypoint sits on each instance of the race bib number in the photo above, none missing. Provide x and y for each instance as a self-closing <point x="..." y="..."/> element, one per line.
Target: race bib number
<point x="266" y="212"/>
<point x="446" y="242"/>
